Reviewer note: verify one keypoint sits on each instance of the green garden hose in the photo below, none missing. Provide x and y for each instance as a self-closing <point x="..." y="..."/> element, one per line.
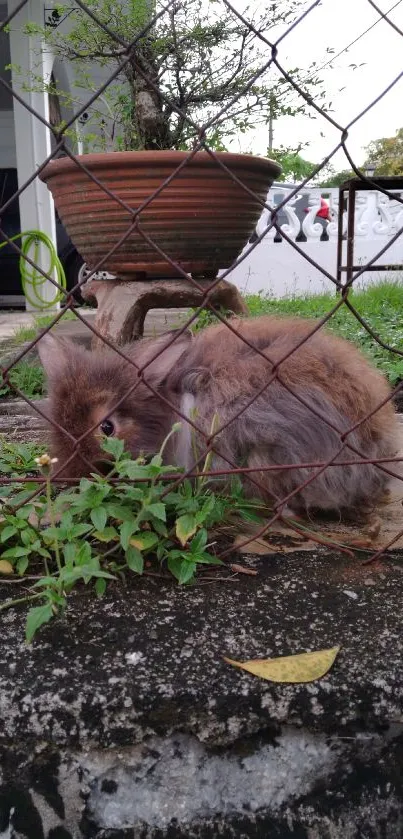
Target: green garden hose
<point x="31" y="279"/>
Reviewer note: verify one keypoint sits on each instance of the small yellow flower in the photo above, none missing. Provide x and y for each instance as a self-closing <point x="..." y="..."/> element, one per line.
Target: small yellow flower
<point x="45" y="460"/>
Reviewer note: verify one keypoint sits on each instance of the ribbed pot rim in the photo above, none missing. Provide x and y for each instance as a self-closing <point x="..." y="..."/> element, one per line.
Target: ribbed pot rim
<point x="123" y="159"/>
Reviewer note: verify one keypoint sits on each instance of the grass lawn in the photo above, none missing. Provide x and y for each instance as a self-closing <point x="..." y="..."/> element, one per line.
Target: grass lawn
<point x="28" y="333"/>
<point x="28" y="376"/>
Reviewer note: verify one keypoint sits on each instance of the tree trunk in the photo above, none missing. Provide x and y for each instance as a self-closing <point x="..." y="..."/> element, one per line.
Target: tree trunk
<point x="150" y="128"/>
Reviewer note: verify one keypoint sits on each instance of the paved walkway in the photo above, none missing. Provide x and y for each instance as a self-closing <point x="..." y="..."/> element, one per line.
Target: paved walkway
<point x="157" y="321"/>
<point x="11" y="321"/>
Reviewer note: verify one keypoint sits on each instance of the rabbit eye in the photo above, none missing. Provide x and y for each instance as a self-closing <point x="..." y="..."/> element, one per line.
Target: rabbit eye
<point x="107" y="428"/>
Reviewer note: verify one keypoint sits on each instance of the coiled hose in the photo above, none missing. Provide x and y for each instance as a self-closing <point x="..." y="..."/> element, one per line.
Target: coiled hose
<point x="31" y="279"/>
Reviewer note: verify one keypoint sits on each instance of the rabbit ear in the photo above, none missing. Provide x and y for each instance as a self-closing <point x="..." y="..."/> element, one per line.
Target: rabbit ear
<point x="54" y="354"/>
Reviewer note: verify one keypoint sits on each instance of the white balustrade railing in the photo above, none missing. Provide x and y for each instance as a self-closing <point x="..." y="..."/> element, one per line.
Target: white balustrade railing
<point x="276" y="268"/>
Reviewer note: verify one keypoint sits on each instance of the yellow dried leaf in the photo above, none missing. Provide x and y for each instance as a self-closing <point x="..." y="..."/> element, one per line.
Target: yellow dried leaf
<point x="255" y="546"/>
<point x="6" y="567"/>
<point x="260" y="547"/>
<point x="291" y="669"/>
<point x="185" y="528"/>
<point x="144" y="541"/>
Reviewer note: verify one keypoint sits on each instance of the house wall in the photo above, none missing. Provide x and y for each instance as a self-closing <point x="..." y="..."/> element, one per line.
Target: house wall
<point x="8" y="158"/>
<point x="7" y="136"/>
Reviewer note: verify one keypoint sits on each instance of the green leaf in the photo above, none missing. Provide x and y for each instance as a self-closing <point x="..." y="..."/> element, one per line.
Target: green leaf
<point x="91" y="572"/>
<point x="135" y="560"/>
<point x="69" y="553"/>
<point x="206" y="509"/>
<point x="8" y="490"/>
<point x="65" y="498"/>
<point x="126" y="531"/>
<point x="157" y="510"/>
<point x="92" y="497"/>
<point x="161" y="551"/>
<point x="187" y="573"/>
<point x="66" y="518"/>
<point x="182" y="555"/>
<point x="119" y="512"/>
<point x="175" y="566"/>
<point x="175" y="499"/>
<point x="160" y="527"/>
<point x="206" y="559"/>
<point x="20" y="497"/>
<point x="199" y="542"/>
<point x="24" y="511"/>
<point x="83" y="554"/>
<point x="27" y="536"/>
<point x="36" y="618"/>
<point x="131" y="493"/>
<point x="182" y="569"/>
<point x="46" y="583"/>
<point x="51" y="534"/>
<point x="100" y="586"/>
<point x="82" y="572"/>
<point x="156" y="460"/>
<point x="85" y="485"/>
<point x="113" y="446"/>
<point x="79" y="530"/>
<point x="99" y="517"/>
<point x="187" y="489"/>
<point x="154" y="471"/>
<point x="69" y="576"/>
<point x="133" y="470"/>
<point x="185" y="528"/>
<point x="106" y="535"/>
<point x="8" y="532"/>
<point x="42" y="552"/>
<point x="22" y="565"/>
<point x="144" y="541"/>
<point x="17" y="551"/>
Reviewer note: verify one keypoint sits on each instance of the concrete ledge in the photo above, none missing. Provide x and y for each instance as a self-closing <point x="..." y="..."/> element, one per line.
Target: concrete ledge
<point x="123" y="721"/>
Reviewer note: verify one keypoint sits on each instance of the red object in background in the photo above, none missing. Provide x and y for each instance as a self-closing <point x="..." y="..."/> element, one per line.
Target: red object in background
<point x="324" y="211"/>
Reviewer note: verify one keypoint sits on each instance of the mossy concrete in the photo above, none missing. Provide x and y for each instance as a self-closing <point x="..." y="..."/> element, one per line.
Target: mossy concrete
<point x="123" y="721"/>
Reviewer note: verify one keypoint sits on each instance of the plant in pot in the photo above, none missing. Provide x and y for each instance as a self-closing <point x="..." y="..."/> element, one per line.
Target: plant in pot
<point x="179" y="68"/>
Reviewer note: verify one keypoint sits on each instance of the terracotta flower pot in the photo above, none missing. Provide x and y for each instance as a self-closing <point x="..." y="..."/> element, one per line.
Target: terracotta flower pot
<point x="201" y="219"/>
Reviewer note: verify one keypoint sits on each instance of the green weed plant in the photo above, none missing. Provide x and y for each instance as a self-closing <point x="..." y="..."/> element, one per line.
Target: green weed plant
<point x="101" y="531"/>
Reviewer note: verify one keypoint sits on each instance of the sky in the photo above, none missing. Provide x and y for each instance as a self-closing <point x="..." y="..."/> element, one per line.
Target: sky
<point x="335" y="24"/>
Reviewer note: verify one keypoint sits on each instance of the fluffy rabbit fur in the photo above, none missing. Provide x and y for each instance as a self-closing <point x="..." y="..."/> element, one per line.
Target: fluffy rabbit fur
<point x="217" y="373"/>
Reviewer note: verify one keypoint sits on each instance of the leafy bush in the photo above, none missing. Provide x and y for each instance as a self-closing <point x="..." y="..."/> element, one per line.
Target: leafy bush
<point x="101" y="530"/>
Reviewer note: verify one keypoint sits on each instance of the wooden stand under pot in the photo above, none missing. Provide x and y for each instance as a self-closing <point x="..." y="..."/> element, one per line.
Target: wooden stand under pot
<point x="122" y="306"/>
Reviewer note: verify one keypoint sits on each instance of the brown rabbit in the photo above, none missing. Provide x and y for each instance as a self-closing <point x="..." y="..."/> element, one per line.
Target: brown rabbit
<point x="217" y="374"/>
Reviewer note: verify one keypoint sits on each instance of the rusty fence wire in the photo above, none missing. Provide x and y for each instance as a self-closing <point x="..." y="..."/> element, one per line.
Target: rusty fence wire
<point x="346" y="453"/>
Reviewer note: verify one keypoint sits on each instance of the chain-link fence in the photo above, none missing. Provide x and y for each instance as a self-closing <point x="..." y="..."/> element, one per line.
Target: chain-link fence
<point x="293" y="411"/>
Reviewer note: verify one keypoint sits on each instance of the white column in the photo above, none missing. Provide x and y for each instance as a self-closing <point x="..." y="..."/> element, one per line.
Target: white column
<point x="32" y="137"/>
